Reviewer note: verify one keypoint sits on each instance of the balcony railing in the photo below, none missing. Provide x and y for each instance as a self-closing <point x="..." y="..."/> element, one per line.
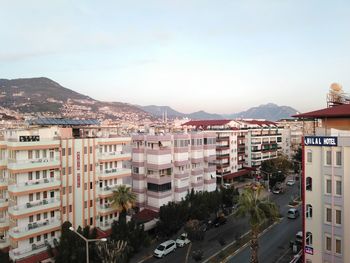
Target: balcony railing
<point x="22" y="252"/>
<point x="114" y="171"/>
<point x="36" y="225"/>
<point x="15" y="164"/>
<point x="34" y="206"/>
<point x="111" y="155"/>
<point x="34" y="184"/>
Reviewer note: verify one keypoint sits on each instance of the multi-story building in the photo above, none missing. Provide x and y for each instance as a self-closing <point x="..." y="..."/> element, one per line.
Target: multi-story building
<point x="166" y="166"/>
<point x="241" y="145"/>
<point x="50" y="175"/>
<point x="326" y="202"/>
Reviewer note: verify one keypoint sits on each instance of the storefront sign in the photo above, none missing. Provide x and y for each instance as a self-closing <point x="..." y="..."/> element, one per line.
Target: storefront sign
<point x="320" y="141"/>
<point x="309" y="250"/>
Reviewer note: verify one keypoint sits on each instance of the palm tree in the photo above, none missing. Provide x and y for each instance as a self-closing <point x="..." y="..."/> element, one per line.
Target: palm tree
<point x="258" y="210"/>
<point x="123" y="199"/>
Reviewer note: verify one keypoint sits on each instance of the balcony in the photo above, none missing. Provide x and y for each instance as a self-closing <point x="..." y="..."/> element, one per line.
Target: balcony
<point x="107" y="190"/>
<point x="17" y="165"/>
<point x="32" y="228"/>
<point x="105" y="225"/>
<point x="110" y="156"/>
<point x="23" y="252"/>
<point x="4" y="222"/>
<point x="106" y="208"/>
<point x="34" y="206"/>
<point x="4" y="242"/>
<point x="35" y="185"/>
<point x="4" y="202"/>
<point x="115" y="172"/>
<point x="3" y="182"/>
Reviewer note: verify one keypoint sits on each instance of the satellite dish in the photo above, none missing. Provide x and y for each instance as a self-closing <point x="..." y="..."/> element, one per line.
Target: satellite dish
<point x="336" y="87"/>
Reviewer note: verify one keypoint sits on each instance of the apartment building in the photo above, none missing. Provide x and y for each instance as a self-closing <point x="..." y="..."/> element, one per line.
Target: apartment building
<point x="52" y="174"/>
<point x="165" y="167"/>
<point x="326" y="202"/>
<point x="241" y="145"/>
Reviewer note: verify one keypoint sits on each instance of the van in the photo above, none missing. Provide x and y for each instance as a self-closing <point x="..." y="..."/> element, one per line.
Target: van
<point x="165" y="248"/>
<point x="293" y="213"/>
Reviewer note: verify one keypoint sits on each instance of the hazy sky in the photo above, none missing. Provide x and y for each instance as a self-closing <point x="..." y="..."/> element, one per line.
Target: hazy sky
<point x="218" y="56"/>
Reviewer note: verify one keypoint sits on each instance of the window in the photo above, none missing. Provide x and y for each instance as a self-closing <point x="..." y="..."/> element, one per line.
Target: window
<point x="338" y="187"/>
<point x="37" y="154"/>
<point x="91" y="203"/>
<point x="85" y="204"/>
<point x="45" y="215"/>
<point x="69" y="170"/>
<point x="309" y="156"/>
<point x="52" y="233"/>
<point x="31" y="219"/>
<point x="37" y="196"/>
<point x="91" y="167"/>
<point x="328" y="186"/>
<point x="31" y="197"/>
<point x="63" y="190"/>
<point x="45" y="236"/>
<point x="38" y="238"/>
<point x="308" y="183"/>
<point x="337" y="246"/>
<point x="44" y="174"/>
<point x="30" y="154"/>
<point x="338" y="158"/>
<point x="328" y="158"/>
<point x="85" y="168"/>
<point x="85" y="150"/>
<point x="90" y="149"/>
<point x="64" y="170"/>
<point x="308" y="211"/>
<point x="63" y="151"/>
<point x="328" y="215"/>
<point x="308" y="239"/>
<point x="64" y="210"/>
<point x="328" y="243"/>
<point x="37" y="175"/>
<point x="338" y="216"/>
<point x="38" y="217"/>
<point x="90" y="185"/>
<point x="159" y="188"/>
<point x="30" y="176"/>
<point x="69" y="151"/>
<point x="70" y="208"/>
<point x="70" y="189"/>
<point x="52" y="213"/>
<point x="31" y="240"/>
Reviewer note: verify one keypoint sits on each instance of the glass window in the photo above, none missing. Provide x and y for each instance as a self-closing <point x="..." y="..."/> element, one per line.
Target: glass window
<point x="309" y="156"/>
<point x="308" y="183"/>
<point x="63" y="151"/>
<point x="338" y="217"/>
<point x="337" y="246"/>
<point x="329" y="158"/>
<point x="328" y="215"/>
<point x="328" y="243"/>
<point x="328" y="186"/>
<point x="308" y="238"/>
<point x="308" y="211"/>
<point x="338" y="185"/>
<point x="338" y="158"/>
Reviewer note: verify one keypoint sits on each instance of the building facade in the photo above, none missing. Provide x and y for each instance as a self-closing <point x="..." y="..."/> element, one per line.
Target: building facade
<point x="165" y="167"/>
<point x="326" y="201"/>
<point x="52" y="175"/>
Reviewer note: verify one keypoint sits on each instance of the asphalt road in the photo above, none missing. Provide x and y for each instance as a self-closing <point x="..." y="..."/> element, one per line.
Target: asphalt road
<point x="271" y="248"/>
<point x="274" y="244"/>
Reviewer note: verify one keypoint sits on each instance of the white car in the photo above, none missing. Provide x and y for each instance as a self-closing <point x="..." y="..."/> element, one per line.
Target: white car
<point x="290" y="182"/>
<point x="165" y="248"/>
<point x="182" y="240"/>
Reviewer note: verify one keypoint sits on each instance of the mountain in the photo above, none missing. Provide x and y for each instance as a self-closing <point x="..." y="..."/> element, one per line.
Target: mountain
<point x="268" y="111"/>
<point x="171" y="113"/>
<point x="45" y="97"/>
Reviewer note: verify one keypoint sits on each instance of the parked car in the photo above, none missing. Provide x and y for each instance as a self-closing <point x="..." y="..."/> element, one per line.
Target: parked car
<point x="293" y="213"/>
<point x="182" y="240"/>
<point x="299" y="237"/>
<point x="290" y="182"/>
<point x="165" y="248"/>
<point x="220" y="221"/>
<point x="278" y="189"/>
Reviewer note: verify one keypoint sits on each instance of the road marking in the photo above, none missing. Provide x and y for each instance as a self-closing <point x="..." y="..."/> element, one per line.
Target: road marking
<point x="278" y="260"/>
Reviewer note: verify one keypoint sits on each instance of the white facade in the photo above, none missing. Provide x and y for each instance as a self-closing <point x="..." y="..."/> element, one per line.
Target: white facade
<point x="56" y="176"/>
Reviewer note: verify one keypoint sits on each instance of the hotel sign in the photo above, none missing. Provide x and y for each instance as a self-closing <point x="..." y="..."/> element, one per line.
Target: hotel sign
<point x="30" y="138"/>
<point x="320" y="141"/>
<point x="309" y="250"/>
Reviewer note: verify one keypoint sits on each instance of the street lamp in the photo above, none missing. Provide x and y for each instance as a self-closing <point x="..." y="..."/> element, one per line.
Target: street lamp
<point x="87" y="242"/>
<point x="268" y="182"/>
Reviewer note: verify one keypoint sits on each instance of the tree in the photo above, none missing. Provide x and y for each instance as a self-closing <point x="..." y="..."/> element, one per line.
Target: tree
<point x="172" y="217"/>
<point x="258" y="211"/>
<point x="71" y="247"/>
<point x="297" y="158"/>
<point x="112" y="252"/>
<point x="123" y="199"/>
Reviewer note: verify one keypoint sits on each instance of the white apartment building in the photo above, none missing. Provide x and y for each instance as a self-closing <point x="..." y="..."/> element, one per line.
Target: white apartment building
<point x="241" y="145"/>
<point x="165" y="167"/>
<point x="50" y="175"/>
<point x="326" y="202"/>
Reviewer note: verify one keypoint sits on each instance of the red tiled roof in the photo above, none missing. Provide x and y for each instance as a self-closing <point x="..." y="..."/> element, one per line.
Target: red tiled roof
<point x="260" y="122"/>
<point x="37" y="257"/>
<point x="206" y="123"/>
<point x="236" y="174"/>
<point x="333" y="112"/>
<point x="145" y="215"/>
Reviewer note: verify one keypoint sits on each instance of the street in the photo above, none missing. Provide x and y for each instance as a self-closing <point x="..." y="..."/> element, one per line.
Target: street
<point x="273" y="244"/>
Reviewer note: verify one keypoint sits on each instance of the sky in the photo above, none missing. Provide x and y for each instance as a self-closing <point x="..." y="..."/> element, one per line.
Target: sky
<point x="218" y="56"/>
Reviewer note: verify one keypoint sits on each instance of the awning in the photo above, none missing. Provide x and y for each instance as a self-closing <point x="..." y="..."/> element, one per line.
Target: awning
<point x="236" y="174"/>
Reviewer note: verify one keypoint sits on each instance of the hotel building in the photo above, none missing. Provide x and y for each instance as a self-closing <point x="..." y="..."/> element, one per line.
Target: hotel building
<point x="54" y="174"/>
<point x="165" y="167"/>
<point x="326" y="202"/>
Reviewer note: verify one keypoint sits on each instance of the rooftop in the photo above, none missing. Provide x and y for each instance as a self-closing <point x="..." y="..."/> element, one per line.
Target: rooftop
<point x="341" y="111"/>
